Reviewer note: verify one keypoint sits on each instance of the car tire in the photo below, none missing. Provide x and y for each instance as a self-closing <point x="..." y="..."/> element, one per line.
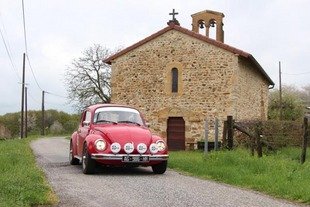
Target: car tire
<point x="72" y="159"/>
<point x="88" y="164"/>
<point x="160" y="168"/>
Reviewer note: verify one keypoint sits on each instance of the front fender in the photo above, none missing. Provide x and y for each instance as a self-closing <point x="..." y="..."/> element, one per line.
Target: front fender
<point x="74" y="143"/>
<point x="90" y="142"/>
<point x="155" y="138"/>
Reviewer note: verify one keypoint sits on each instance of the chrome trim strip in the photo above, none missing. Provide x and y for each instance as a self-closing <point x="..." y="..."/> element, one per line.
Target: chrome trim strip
<point x="120" y="156"/>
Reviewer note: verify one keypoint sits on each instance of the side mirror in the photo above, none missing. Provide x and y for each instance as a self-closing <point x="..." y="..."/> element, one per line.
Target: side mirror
<point x="86" y="123"/>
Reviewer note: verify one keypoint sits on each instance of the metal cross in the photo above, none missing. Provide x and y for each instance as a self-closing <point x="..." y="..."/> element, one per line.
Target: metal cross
<point x="173" y="14"/>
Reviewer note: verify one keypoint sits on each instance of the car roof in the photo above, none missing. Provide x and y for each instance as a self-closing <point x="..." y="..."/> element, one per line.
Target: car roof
<point x="96" y="106"/>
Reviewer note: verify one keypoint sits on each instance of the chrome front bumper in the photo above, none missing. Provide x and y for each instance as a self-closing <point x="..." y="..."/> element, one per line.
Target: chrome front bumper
<point x="121" y="157"/>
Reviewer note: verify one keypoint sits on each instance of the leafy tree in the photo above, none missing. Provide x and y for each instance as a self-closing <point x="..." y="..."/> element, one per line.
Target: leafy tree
<point x="34" y="122"/>
<point x="88" y="78"/>
<point x="303" y="93"/>
<point x="56" y="122"/>
<point x="56" y="128"/>
<point x="292" y="104"/>
<point x="12" y="122"/>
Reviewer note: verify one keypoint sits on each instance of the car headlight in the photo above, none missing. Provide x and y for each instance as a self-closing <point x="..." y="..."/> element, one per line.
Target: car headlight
<point x="161" y="145"/>
<point x="100" y="144"/>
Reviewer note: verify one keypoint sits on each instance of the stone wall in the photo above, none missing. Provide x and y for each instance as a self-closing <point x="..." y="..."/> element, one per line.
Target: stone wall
<point x="208" y="76"/>
<point x="250" y="95"/>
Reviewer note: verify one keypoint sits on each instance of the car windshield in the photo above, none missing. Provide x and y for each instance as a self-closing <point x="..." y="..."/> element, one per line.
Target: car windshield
<point x="117" y="115"/>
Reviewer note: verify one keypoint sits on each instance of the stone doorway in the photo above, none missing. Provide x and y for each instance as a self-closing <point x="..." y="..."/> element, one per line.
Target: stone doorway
<point x="176" y="133"/>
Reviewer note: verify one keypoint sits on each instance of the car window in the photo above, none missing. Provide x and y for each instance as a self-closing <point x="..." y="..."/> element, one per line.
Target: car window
<point x="117" y="115"/>
<point x="88" y="116"/>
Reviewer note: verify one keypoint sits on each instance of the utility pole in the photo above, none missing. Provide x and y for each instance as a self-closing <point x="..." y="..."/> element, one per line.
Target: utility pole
<point x="22" y="104"/>
<point x="43" y="118"/>
<point x="26" y="112"/>
<point x="280" y="90"/>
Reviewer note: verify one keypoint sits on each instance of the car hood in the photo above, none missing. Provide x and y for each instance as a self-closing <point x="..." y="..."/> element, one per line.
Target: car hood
<point x="124" y="133"/>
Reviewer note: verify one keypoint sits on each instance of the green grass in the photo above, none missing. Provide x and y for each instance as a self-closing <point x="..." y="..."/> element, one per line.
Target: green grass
<point x="22" y="183"/>
<point x="280" y="174"/>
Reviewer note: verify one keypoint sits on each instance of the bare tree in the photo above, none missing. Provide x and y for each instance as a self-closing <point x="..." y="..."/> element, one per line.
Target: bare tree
<point x="88" y="78"/>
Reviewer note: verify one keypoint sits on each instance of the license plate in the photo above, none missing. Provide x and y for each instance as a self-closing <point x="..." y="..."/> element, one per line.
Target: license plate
<point x="135" y="159"/>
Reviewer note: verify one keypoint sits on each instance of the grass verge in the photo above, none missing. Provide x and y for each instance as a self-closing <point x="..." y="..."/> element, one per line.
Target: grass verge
<point x="280" y="174"/>
<point x="22" y="183"/>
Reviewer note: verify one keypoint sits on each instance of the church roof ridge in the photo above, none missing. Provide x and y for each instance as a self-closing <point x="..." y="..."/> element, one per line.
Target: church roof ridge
<point x="173" y="26"/>
<point x="183" y="30"/>
<point x="208" y="11"/>
<point x="211" y="41"/>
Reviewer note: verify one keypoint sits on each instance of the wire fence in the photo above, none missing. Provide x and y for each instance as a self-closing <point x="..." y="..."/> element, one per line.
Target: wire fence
<point x="265" y="136"/>
<point x="274" y="134"/>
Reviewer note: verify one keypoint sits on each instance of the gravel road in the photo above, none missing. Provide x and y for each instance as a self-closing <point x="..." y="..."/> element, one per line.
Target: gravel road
<point x="135" y="187"/>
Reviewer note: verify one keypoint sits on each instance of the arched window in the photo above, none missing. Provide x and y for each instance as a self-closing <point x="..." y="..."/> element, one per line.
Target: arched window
<point x="174" y="80"/>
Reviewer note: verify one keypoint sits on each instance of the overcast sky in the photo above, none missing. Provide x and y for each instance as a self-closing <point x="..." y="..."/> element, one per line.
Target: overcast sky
<point x="59" y="30"/>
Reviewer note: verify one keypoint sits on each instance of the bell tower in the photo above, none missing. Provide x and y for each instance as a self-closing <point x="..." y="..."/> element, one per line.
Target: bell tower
<point x="206" y="19"/>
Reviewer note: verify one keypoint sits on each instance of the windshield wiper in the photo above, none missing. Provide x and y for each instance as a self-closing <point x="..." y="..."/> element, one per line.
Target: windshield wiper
<point x="130" y="122"/>
<point x="106" y="121"/>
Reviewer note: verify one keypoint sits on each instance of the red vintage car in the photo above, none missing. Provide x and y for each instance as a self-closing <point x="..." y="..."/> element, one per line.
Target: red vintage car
<point x="116" y="135"/>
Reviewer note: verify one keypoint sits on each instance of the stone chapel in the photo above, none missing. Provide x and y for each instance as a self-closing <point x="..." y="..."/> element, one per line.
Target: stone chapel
<point x="178" y="78"/>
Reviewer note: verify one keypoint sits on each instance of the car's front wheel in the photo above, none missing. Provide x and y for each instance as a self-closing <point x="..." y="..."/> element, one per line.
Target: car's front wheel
<point x="88" y="163"/>
<point x="72" y="159"/>
<point x="160" y="168"/>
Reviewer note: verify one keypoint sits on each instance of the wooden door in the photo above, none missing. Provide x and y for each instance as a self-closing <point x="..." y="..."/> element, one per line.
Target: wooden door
<point x="176" y="133"/>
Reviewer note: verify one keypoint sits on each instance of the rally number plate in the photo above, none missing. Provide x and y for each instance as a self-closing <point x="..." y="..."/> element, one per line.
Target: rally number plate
<point x="135" y="159"/>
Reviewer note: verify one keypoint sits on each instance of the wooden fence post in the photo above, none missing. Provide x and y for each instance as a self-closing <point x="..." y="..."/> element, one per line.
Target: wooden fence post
<point x="252" y="140"/>
<point x="216" y="134"/>
<point x="258" y="130"/>
<point x="230" y="132"/>
<point x="305" y="139"/>
<point x="224" y="138"/>
<point x="206" y="136"/>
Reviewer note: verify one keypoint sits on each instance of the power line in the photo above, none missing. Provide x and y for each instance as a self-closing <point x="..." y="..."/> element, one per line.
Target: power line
<point x="33" y="98"/>
<point x="31" y="68"/>
<point x="9" y="54"/>
<point x="35" y="79"/>
<point x="38" y="102"/>
<point x="26" y="48"/>
<point x="55" y="104"/>
<point x="55" y="94"/>
<point x="296" y="73"/>
<point x="24" y="23"/>
<point x="5" y="34"/>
